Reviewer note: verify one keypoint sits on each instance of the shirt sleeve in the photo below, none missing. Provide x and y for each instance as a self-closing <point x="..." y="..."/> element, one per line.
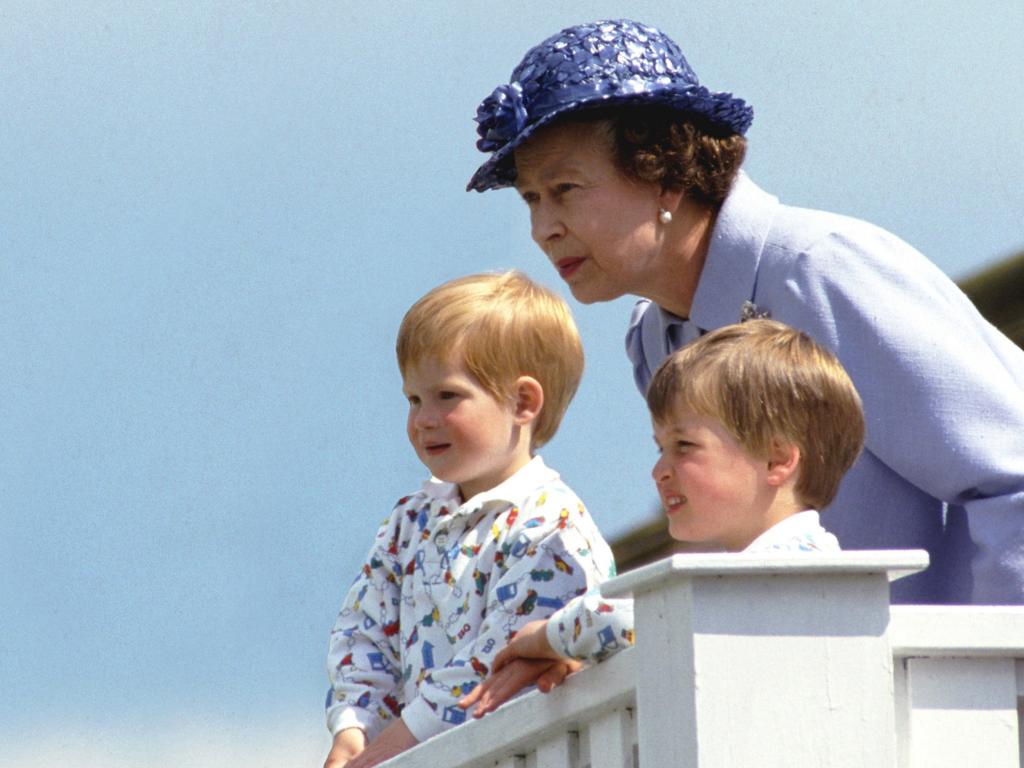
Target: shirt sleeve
<point x="551" y="555"/>
<point x="591" y="628"/>
<point x="364" y="660"/>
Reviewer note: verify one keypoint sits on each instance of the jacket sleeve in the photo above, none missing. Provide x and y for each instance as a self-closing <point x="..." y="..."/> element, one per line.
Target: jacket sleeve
<point x="591" y="628"/>
<point x="551" y="555"/>
<point x="943" y="390"/>
<point x="364" y="659"/>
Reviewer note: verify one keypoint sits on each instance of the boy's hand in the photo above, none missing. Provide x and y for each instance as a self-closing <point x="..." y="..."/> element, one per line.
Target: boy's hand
<point x="394" y="739"/>
<point x="347" y="744"/>
<point x="513" y="676"/>
<point x="530" y="642"/>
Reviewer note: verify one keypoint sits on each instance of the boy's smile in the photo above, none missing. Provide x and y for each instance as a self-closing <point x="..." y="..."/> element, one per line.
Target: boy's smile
<point x="460" y="431"/>
<point x="712" y="490"/>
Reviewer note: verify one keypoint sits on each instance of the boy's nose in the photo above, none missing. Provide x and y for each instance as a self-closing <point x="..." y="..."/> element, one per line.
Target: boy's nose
<point x="661" y="469"/>
<point x="425" y="418"/>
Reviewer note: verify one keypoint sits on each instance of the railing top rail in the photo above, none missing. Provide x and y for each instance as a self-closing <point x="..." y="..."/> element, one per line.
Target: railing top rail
<point x="896" y="563"/>
<point x="518" y="726"/>
<point x="957" y="630"/>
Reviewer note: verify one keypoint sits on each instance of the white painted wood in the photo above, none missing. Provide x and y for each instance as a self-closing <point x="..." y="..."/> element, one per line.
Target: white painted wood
<point x="756" y="660"/>
<point x="730" y="648"/>
<point x="666" y="704"/>
<point x="610" y="739"/>
<point x="1019" y="668"/>
<point x="517" y="727"/>
<point x="901" y="703"/>
<point x="560" y="751"/>
<point x="957" y="630"/>
<point x="895" y="563"/>
<point x="962" y="712"/>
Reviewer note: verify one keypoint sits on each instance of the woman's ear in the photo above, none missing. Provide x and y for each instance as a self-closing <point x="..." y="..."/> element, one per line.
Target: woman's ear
<point x="529" y="397"/>
<point x="783" y="462"/>
<point x="669" y="199"/>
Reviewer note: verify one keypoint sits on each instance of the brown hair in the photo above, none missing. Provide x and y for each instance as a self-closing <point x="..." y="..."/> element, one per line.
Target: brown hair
<point x="676" y="150"/>
<point x="503" y="325"/>
<point x="765" y="381"/>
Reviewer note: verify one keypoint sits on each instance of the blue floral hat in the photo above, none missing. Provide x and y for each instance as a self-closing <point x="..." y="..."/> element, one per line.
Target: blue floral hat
<point x="607" y="62"/>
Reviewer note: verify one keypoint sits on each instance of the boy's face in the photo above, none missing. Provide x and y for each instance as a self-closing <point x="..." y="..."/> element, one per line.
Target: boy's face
<point x="461" y="432"/>
<point x="712" y="490"/>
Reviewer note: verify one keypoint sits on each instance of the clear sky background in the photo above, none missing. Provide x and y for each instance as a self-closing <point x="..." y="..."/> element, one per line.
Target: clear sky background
<point x="212" y="218"/>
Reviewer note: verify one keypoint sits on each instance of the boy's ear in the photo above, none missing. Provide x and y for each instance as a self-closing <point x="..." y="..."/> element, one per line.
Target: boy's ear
<point x="529" y="397"/>
<point x="783" y="462"/>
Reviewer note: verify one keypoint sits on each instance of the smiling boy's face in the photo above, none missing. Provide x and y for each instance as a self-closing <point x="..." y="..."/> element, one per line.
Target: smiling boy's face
<point x="460" y="431"/>
<point x="712" y="490"/>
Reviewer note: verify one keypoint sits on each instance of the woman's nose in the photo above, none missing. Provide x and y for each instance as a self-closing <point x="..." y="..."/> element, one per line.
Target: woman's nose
<point x="545" y="224"/>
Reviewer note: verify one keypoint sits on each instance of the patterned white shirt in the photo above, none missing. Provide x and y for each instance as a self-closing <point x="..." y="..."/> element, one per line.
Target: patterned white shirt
<point x="591" y="627"/>
<point x="442" y="589"/>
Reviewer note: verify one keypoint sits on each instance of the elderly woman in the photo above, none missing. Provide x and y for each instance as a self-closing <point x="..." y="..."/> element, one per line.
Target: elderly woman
<point x="631" y="172"/>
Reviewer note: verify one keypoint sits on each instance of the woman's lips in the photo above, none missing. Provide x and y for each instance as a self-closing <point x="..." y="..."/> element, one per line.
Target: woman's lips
<point x="566" y="267"/>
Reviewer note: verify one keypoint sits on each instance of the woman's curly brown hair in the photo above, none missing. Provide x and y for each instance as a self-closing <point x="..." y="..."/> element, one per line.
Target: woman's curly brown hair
<point x="672" y="149"/>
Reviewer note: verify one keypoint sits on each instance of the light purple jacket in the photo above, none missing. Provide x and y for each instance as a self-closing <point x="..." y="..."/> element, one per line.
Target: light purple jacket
<point x="943" y="390"/>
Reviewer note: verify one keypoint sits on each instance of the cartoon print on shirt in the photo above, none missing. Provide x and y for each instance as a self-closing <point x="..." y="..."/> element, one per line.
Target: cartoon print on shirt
<point x="424" y="620"/>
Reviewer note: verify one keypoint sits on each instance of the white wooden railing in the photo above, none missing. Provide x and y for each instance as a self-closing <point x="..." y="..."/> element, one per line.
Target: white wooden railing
<point x="755" y="660"/>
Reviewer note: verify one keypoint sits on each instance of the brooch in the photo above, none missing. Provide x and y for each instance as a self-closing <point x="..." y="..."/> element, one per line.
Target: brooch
<point x="750" y="311"/>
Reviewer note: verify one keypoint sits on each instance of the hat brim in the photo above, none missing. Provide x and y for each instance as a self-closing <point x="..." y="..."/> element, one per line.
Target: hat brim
<point x="721" y="108"/>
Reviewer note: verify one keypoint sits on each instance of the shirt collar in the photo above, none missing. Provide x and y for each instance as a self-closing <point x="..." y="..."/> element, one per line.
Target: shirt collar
<point x="511" y="491"/>
<point x="786" y="529"/>
<point x="729" y="277"/>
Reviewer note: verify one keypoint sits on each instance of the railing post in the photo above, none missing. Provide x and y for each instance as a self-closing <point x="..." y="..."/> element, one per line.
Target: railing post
<point x="767" y="660"/>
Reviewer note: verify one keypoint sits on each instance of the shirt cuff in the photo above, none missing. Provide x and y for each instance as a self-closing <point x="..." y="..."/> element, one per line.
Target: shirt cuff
<point x="554" y="632"/>
<point x="423" y="722"/>
<point x="340" y="718"/>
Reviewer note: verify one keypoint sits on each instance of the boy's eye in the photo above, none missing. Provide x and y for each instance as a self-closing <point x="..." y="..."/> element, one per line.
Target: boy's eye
<point x="413" y="400"/>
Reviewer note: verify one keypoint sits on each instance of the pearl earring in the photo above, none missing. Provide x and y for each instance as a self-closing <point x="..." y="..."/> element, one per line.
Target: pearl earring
<point x="664" y="216"/>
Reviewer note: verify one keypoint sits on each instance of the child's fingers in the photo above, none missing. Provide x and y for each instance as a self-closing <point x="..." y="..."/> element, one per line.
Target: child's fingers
<point x="555" y="675"/>
<point x="504" y="656"/>
<point x="506" y="683"/>
<point x="472" y="697"/>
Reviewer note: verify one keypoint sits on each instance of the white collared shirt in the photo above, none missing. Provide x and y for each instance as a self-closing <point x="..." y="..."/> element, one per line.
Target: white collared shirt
<point x="592" y="627"/>
<point x="442" y="589"/>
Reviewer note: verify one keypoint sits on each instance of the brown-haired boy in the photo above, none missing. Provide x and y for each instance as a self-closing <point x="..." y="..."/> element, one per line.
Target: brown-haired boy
<point x="756" y="425"/>
<point x="493" y="540"/>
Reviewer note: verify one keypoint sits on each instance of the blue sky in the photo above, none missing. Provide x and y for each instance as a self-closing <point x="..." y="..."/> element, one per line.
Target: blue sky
<point x="212" y="218"/>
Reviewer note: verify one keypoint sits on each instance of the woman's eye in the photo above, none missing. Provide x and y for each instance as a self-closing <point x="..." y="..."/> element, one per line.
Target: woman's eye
<point x="447" y="395"/>
<point x="565" y="187"/>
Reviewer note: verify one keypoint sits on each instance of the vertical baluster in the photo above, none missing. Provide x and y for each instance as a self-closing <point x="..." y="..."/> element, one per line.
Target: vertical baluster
<point x="561" y="751"/>
<point x="962" y="712"/>
<point x="1019" y="666"/>
<point x="611" y="739"/>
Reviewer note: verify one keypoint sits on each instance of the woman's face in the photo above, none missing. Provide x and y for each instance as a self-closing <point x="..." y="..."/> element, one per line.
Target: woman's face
<point x="599" y="229"/>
